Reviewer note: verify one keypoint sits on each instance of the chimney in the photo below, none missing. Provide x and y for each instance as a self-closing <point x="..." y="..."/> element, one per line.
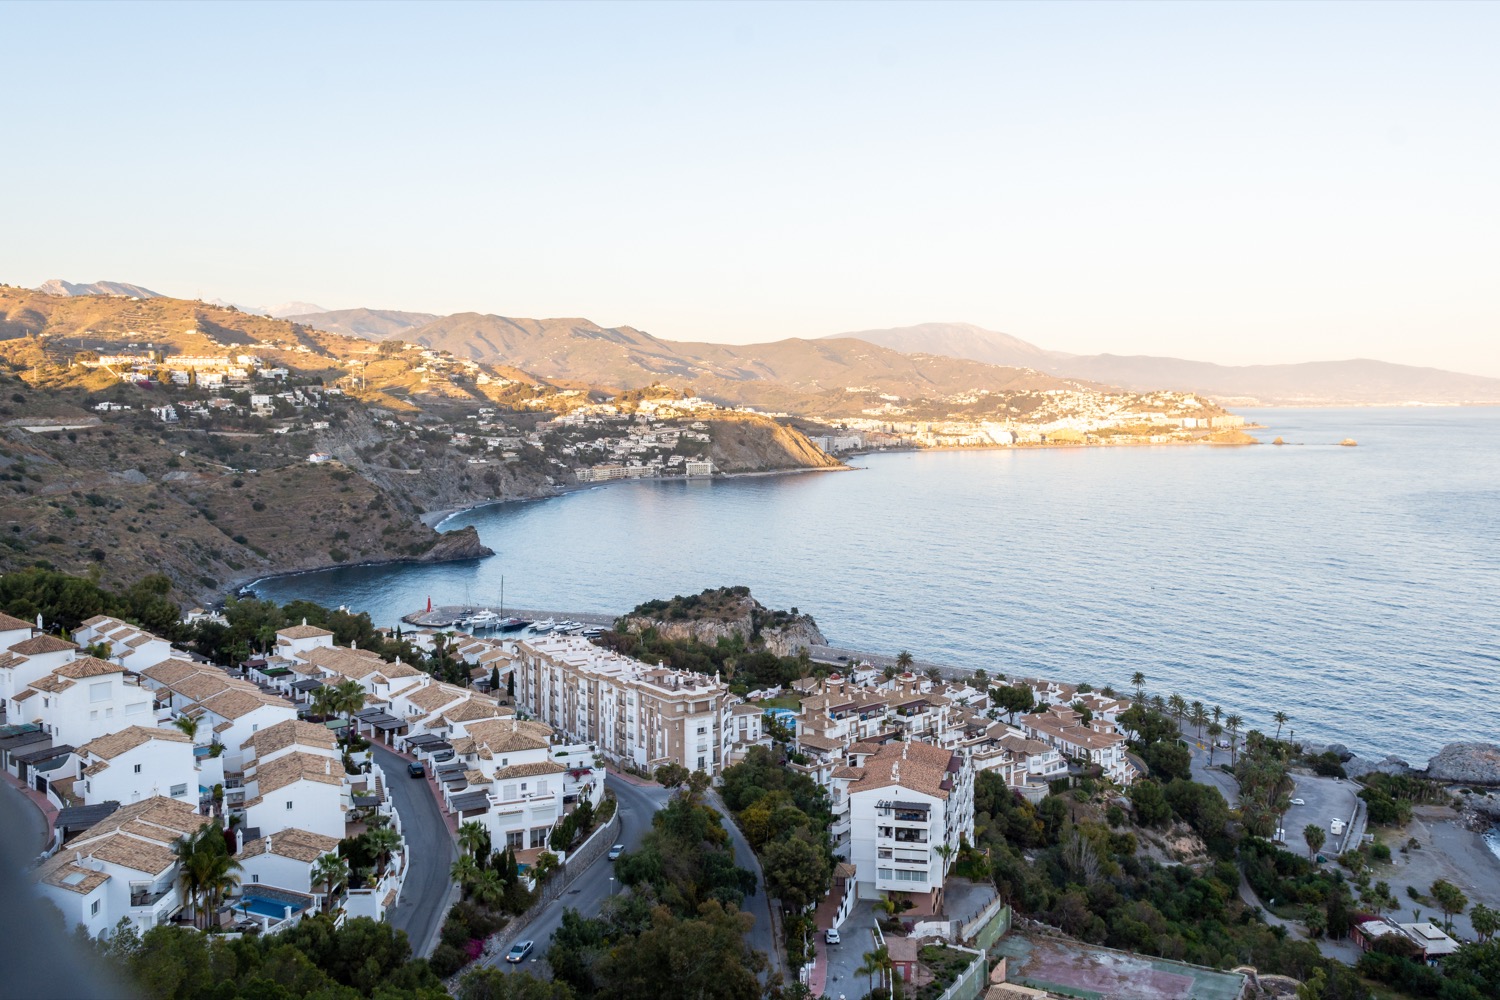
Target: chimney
<point x="327" y="766"/>
<point x="268" y="843"/>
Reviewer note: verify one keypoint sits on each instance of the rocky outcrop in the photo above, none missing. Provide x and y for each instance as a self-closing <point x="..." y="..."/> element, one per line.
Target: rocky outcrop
<point x="1356" y="767"/>
<point x="456" y="546"/>
<point x="1466" y="764"/>
<point x="1479" y="811"/>
<point x="724" y="614"/>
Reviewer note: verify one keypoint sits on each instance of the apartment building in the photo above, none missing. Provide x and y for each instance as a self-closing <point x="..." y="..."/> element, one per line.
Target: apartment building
<point x="630" y="711"/>
<point x="134" y="648"/>
<point x="135" y="764"/>
<point x="1097" y="743"/>
<point x="901" y="810"/>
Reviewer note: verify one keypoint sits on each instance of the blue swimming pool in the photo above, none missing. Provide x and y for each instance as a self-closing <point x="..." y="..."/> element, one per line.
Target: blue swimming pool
<point x="265" y="907"/>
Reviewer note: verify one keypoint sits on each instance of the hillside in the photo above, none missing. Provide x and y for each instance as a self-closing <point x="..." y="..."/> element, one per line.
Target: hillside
<point x="1359" y="381"/>
<point x="810" y="377"/>
<point x="372" y="324"/>
<point x="321" y="450"/>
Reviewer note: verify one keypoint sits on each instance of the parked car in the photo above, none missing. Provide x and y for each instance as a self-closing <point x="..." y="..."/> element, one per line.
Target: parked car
<point x="616" y="851"/>
<point x="518" y="951"/>
<point x="416" y="770"/>
<point x="831" y="936"/>
<point x="1299" y="802"/>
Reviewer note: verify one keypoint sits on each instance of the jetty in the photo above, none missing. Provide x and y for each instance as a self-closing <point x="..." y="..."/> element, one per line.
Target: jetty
<point x="449" y="615"/>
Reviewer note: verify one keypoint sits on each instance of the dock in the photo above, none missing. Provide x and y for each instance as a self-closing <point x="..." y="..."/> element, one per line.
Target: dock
<point x="450" y="614"/>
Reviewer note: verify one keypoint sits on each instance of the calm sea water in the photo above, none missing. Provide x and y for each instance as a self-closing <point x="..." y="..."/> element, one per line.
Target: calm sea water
<point x="1352" y="588"/>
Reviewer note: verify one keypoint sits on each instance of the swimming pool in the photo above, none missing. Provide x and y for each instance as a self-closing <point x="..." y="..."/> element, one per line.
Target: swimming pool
<point x="261" y="906"/>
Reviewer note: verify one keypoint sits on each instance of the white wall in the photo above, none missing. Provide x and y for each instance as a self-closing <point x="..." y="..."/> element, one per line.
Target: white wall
<point x="153" y="768"/>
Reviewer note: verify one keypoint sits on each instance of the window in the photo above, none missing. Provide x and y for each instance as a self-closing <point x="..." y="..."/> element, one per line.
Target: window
<point x="289" y="805"/>
<point x="515" y="840"/>
<point x="701" y="762"/>
<point x="94" y="908"/>
<point x="138" y="769"/>
<point x="254" y="879"/>
<point x="99" y="692"/>
<point x="539" y="836"/>
<point x="178" y="791"/>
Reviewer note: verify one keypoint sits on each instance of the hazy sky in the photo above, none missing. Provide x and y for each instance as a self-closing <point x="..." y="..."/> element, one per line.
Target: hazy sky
<point x="1237" y="183"/>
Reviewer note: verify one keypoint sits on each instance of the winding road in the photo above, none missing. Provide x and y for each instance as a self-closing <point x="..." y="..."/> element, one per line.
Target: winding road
<point x="636" y="804"/>
<point x="430" y="846"/>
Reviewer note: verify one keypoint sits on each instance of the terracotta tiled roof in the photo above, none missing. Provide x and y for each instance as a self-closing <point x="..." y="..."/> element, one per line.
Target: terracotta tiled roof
<point x="298" y="845"/>
<point x="234" y="704"/>
<point x="920" y="767"/>
<point x="284" y="734"/>
<point x="9" y="624"/>
<point x="170" y="671"/>
<point x="144" y="830"/>
<point x="88" y="666"/>
<point x="529" y="770"/>
<point x="111" y="746"/>
<point x="510" y="735"/>
<point x="302" y="632"/>
<point x="297" y="766"/>
<point x="43" y="643"/>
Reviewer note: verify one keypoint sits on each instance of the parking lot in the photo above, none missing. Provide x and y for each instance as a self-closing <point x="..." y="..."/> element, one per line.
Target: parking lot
<point x="858" y="935"/>
<point x="1326" y="799"/>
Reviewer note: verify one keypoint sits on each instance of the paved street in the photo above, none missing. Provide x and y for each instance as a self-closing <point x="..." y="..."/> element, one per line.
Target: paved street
<point x="763" y="935"/>
<point x="425" y="896"/>
<point x="636" y="805"/>
<point x="843" y="958"/>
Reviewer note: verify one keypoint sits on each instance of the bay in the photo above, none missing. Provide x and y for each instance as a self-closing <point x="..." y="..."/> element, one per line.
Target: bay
<point x="1352" y="588"/>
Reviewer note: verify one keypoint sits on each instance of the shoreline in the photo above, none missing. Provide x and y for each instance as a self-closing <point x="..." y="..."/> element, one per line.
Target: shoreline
<point x="435" y="519"/>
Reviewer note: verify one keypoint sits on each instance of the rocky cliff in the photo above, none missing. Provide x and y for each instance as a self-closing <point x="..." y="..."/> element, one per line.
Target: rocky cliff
<point x="726" y="613"/>
<point x="1466" y="764"/>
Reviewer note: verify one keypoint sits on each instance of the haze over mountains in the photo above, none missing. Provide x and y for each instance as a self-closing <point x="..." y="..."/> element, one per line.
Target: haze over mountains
<point x="930" y="358"/>
<point x="1358" y="380"/>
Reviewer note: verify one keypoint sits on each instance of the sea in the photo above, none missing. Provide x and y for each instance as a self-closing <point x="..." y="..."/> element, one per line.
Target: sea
<point x="1352" y="588"/>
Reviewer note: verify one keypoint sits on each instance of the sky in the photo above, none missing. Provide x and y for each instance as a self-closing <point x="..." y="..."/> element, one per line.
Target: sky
<point x="1241" y="183"/>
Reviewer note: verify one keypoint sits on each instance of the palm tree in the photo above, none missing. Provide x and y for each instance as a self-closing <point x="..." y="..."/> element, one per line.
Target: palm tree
<point x="876" y="962"/>
<point x="349" y="698"/>
<point x="1485" y="920"/>
<point x="384" y="841"/>
<point x="325" y="701"/>
<point x="1281" y="719"/>
<point x="982" y="678"/>
<point x="890" y="673"/>
<point x="1214" y="731"/>
<point x="465" y="871"/>
<point x="1198" y="717"/>
<point x="472" y="837"/>
<point x="1218" y="713"/>
<point x="488" y="890"/>
<point x="1315" y="836"/>
<point x="904" y="660"/>
<point x="1138" y="681"/>
<point x="332" y="872"/>
<point x="934" y="675"/>
<point x="206" y="870"/>
<point x="188" y="725"/>
<point x="1178" y="706"/>
<point x="1232" y="723"/>
<point x="946" y="852"/>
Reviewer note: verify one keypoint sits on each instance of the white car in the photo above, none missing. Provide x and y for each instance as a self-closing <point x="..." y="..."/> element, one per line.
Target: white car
<point x="1299" y="802"/>
<point x="831" y="936"/>
<point x="518" y="951"/>
<point x="616" y="851"/>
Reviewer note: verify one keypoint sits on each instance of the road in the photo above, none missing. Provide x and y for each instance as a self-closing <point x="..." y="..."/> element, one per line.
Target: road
<point x="636" y="804"/>
<point x="762" y="935"/>
<point x="425" y="896"/>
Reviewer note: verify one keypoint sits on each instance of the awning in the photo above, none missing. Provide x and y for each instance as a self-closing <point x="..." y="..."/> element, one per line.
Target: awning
<point x="470" y="802"/>
<point x="38" y="756"/>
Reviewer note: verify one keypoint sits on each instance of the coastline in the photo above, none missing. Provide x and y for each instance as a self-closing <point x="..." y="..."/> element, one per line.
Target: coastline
<point x="435" y="519"/>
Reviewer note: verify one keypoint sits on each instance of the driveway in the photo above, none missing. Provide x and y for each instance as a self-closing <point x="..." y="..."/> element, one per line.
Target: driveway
<point x="430" y="846"/>
<point x="858" y="934"/>
<point x="635" y="804"/>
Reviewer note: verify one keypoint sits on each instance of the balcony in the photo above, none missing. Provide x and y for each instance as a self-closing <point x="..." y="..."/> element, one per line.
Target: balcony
<point x="143" y="894"/>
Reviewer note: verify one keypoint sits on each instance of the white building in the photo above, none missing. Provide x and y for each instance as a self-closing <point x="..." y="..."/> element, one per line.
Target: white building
<point x="86" y="698"/>
<point x="28" y="657"/>
<point x="136" y="764"/>
<point x="901" y="804"/>
<point x="131" y="647"/>
<point x="121" y="868"/>
<point x="633" y="712"/>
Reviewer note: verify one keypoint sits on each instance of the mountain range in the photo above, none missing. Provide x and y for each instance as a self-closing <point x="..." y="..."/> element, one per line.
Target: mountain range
<point x="915" y="361"/>
<point x="1358" y="380"/>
